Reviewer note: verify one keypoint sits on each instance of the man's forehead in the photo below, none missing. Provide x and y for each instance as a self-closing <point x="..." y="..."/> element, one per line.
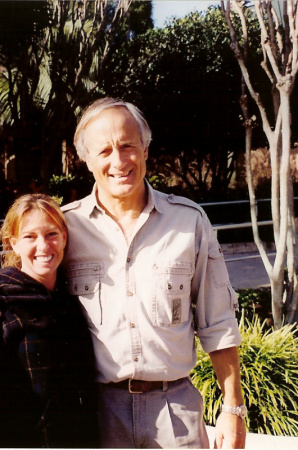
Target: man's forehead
<point x="109" y="112"/>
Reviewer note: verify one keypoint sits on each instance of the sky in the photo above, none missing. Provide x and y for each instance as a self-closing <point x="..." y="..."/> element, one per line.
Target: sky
<point x="165" y="9"/>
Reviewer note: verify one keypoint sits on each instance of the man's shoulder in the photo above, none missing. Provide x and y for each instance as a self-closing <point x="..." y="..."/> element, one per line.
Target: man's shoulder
<point x="77" y="205"/>
<point x="70" y="206"/>
<point x="184" y="202"/>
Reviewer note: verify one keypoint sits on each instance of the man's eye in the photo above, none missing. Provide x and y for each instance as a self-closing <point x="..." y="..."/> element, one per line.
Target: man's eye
<point x="103" y="152"/>
<point x="28" y="236"/>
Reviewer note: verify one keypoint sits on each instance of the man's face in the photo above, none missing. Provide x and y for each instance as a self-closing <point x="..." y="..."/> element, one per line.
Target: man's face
<point x="116" y="155"/>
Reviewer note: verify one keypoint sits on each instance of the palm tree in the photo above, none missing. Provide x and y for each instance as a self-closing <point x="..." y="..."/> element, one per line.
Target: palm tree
<point x="52" y="71"/>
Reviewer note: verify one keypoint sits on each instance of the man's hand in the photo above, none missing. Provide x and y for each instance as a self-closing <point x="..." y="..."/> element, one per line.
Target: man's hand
<point x="230" y="429"/>
<point x="229" y="432"/>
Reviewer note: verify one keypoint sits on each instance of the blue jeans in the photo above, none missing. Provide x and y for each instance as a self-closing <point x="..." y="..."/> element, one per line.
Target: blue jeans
<point x="168" y="418"/>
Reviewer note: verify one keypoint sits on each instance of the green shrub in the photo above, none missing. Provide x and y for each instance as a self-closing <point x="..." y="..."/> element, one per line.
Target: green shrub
<point x="60" y="187"/>
<point x="255" y="302"/>
<point x="269" y="379"/>
<point x="159" y="182"/>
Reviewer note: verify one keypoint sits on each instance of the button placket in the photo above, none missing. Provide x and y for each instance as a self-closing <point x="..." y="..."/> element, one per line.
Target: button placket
<point x="136" y="353"/>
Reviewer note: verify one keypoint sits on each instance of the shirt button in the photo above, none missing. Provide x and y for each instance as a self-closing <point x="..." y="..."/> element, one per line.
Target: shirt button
<point x="86" y="288"/>
<point x="135" y="358"/>
<point x="169" y="286"/>
<point x="181" y="287"/>
<point x="130" y="294"/>
<point x="128" y="259"/>
<point x="132" y="325"/>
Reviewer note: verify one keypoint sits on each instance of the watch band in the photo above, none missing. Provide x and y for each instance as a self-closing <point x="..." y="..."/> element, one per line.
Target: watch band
<point x="239" y="411"/>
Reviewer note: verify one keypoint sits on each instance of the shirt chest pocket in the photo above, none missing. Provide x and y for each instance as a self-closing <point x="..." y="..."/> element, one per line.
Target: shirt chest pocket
<point x="84" y="281"/>
<point x="171" y="304"/>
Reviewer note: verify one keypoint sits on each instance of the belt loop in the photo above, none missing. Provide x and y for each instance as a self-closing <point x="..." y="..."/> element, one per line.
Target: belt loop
<point x="164" y="386"/>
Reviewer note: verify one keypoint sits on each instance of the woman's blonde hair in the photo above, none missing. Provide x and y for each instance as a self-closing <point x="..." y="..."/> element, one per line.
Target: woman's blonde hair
<point x="19" y="209"/>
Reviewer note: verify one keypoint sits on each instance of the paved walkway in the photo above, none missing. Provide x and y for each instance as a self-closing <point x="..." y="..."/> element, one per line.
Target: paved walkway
<point x="245" y="266"/>
<point x="262" y="441"/>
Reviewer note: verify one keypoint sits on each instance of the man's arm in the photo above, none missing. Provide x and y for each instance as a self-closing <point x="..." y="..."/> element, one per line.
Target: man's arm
<point x="229" y="427"/>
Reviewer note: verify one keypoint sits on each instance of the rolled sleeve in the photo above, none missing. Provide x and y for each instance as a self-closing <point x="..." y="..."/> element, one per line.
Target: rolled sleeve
<point x="221" y="335"/>
<point x="215" y="299"/>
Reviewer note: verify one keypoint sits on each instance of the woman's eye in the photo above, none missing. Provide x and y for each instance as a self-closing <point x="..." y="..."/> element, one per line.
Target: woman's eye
<point x="53" y="233"/>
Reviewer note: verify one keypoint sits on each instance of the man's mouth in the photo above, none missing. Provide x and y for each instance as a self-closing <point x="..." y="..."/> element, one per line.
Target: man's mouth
<point x="121" y="175"/>
<point x="44" y="258"/>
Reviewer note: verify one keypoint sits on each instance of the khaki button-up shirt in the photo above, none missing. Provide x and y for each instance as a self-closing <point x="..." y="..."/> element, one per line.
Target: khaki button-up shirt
<point x="139" y="298"/>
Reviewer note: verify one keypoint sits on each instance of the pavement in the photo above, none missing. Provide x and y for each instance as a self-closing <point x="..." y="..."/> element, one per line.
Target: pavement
<point x="262" y="441"/>
<point x="246" y="270"/>
<point x="245" y="266"/>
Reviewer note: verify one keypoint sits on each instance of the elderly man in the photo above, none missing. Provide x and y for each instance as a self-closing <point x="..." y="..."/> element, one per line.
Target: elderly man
<point x="146" y="267"/>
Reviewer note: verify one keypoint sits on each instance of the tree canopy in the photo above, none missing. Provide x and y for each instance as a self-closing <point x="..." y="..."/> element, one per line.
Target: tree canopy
<point x="184" y="77"/>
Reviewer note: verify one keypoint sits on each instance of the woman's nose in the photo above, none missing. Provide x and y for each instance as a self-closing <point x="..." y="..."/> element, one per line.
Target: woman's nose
<point x="41" y="243"/>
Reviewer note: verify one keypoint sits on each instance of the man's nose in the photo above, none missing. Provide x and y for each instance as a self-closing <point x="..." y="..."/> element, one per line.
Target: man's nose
<point x="118" y="159"/>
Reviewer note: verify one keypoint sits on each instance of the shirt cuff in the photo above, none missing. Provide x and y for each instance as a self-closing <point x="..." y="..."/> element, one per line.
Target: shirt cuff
<point x="221" y="335"/>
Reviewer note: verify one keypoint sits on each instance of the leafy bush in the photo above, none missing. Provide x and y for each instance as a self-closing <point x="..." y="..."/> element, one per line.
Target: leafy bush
<point x="269" y="379"/>
<point x="60" y="187"/>
<point x="255" y="302"/>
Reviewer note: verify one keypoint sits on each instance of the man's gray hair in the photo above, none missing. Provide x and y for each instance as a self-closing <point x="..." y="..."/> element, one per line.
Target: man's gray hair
<point x="97" y="108"/>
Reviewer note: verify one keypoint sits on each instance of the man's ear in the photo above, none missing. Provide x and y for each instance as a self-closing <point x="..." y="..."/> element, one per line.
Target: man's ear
<point x="146" y="152"/>
<point x="89" y="165"/>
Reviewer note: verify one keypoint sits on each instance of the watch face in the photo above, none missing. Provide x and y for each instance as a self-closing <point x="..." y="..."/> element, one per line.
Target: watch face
<point x="243" y="411"/>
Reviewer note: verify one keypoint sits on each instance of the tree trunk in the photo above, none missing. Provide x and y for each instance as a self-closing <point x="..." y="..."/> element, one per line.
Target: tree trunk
<point x="279" y="45"/>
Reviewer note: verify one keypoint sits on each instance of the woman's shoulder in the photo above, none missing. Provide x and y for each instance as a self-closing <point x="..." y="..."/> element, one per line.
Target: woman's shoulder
<point x="10" y="275"/>
<point x="18" y="288"/>
<point x="9" y="284"/>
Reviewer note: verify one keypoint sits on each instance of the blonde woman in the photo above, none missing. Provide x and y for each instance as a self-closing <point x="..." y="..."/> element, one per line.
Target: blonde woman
<point x="45" y="352"/>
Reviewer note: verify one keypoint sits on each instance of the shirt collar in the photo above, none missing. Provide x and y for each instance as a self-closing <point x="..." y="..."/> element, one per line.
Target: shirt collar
<point x="90" y="202"/>
<point x="153" y="201"/>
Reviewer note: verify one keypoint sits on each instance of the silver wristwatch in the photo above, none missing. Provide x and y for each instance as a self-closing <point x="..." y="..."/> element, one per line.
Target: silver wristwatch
<point x="240" y="410"/>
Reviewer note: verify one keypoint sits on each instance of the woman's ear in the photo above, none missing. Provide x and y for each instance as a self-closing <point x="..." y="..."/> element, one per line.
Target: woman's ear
<point x="14" y="243"/>
<point x="64" y="234"/>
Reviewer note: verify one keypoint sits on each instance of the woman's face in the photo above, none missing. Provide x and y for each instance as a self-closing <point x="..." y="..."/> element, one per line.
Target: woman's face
<point x="40" y="245"/>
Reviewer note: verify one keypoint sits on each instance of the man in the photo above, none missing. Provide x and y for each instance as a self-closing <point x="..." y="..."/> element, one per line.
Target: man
<point x="139" y="260"/>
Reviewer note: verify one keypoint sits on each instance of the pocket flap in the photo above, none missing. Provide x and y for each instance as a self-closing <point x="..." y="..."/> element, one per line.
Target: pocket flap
<point x="84" y="278"/>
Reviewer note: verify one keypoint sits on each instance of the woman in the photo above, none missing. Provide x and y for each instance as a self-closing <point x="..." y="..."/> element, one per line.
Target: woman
<point x="46" y="361"/>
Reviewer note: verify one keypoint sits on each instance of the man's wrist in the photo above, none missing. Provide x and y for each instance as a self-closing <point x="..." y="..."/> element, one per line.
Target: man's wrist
<point x="240" y="411"/>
